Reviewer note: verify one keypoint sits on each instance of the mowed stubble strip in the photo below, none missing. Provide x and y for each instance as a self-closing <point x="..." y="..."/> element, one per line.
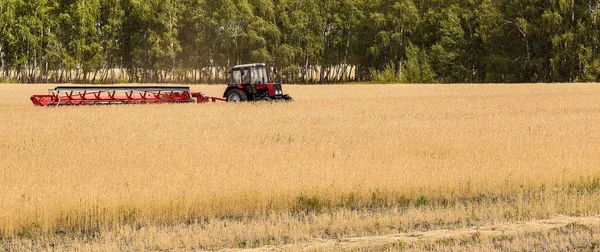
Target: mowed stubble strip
<point x="83" y="169"/>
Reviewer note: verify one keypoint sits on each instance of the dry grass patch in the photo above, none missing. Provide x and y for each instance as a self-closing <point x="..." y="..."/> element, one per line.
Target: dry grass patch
<point x="85" y="169"/>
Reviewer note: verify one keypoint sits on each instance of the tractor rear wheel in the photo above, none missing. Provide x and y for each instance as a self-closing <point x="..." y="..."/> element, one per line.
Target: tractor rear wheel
<point x="236" y="95"/>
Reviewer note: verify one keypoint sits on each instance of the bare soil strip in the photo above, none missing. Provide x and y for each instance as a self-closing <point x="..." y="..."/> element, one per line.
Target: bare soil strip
<point x="503" y="229"/>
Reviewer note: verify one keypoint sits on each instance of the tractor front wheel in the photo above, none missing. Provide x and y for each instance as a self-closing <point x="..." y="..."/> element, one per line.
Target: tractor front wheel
<point x="236" y="95"/>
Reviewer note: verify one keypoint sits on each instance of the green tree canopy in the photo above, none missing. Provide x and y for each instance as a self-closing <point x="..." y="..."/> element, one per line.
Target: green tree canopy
<point x="308" y="41"/>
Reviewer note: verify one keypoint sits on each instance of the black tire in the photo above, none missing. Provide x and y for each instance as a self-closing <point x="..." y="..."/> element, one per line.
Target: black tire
<point x="236" y="95"/>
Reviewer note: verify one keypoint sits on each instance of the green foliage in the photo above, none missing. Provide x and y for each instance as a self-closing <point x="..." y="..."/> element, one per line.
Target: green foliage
<point x="387" y="75"/>
<point x="304" y="41"/>
<point x="417" y="68"/>
<point x="309" y="204"/>
<point x="421" y="201"/>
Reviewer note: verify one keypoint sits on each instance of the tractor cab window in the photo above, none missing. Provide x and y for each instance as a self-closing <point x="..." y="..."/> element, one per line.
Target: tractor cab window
<point x="246" y="76"/>
<point x="236" y="77"/>
<point x="257" y="76"/>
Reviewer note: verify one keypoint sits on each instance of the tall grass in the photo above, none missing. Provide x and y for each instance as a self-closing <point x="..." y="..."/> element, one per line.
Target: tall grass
<point x="81" y="169"/>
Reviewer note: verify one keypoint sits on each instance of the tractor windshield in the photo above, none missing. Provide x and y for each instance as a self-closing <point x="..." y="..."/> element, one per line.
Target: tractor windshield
<point x="259" y="75"/>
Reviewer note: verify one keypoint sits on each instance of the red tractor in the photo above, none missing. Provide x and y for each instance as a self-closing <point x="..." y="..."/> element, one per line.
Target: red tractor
<point x="247" y="83"/>
<point x="252" y="83"/>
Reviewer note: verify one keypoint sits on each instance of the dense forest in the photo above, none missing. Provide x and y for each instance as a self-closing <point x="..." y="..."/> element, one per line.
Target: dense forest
<point x="304" y="41"/>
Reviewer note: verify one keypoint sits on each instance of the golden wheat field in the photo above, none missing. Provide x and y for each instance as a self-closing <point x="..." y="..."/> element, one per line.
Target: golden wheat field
<point x="342" y="161"/>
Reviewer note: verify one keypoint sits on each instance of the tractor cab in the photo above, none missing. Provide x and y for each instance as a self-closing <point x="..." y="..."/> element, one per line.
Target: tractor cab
<point x="251" y="82"/>
<point x="249" y="74"/>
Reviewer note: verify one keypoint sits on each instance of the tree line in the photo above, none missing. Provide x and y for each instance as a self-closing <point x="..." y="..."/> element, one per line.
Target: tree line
<point x="304" y="41"/>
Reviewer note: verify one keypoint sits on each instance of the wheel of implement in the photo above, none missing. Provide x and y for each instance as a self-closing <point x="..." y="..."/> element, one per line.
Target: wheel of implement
<point x="236" y="95"/>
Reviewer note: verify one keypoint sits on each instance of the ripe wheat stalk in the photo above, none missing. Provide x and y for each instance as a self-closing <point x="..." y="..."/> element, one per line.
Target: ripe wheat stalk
<point x="87" y="168"/>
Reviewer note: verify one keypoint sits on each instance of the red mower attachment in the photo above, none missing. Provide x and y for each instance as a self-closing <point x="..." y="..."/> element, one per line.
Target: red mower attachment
<point x="80" y="96"/>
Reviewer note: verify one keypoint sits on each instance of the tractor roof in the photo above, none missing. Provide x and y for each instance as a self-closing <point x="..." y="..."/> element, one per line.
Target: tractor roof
<point x="249" y="65"/>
